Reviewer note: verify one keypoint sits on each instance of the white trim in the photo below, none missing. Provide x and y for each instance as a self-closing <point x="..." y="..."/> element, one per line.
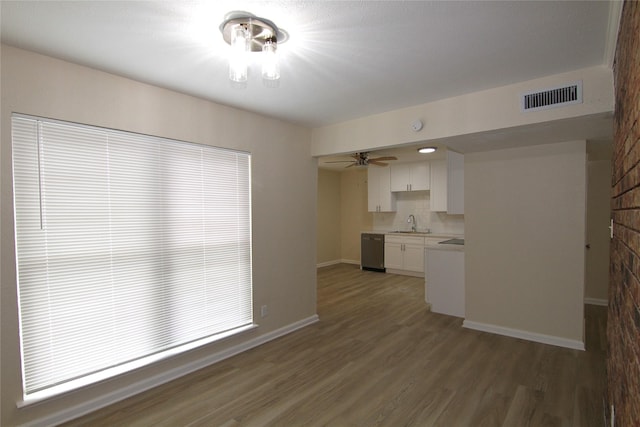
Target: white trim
<point x="337" y="261"/>
<point x="613" y="26"/>
<point x="89" y="380"/>
<point x="328" y="263"/>
<point x="525" y="335"/>
<point x="76" y="411"/>
<point x="405" y="272"/>
<point x="596" y="301"/>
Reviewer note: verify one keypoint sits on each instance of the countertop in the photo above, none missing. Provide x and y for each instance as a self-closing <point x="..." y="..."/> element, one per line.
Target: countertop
<point x="435" y="246"/>
<point x="432" y="239"/>
<point x="418" y="233"/>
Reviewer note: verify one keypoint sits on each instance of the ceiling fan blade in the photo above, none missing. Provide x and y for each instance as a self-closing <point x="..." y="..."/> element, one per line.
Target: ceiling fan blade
<point x="385" y="158"/>
<point x="377" y="163"/>
<point x="352" y="164"/>
<point x="340" y="161"/>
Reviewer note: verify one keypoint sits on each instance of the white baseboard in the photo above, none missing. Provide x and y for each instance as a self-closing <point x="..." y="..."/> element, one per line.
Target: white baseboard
<point x="405" y="272"/>
<point x="337" y="261"/>
<point x="328" y="263"/>
<point x="525" y="335"/>
<point x="596" y="301"/>
<point x="72" y="412"/>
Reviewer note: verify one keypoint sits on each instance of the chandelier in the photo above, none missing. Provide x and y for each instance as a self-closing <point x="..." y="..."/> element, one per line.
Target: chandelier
<point x="247" y="33"/>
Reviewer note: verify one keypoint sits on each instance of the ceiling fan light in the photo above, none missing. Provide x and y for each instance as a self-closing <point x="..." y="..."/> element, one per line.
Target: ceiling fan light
<point x="426" y="150"/>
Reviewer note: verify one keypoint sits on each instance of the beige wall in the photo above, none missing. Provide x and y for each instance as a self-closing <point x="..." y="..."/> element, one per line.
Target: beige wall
<point x="284" y="180"/>
<point x="525" y="237"/>
<point x="468" y="114"/>
<point x="342" y="215"/>
<point x="329" y="217"/>
<point x="354" y="213"/>
<point x="598" y="215"/>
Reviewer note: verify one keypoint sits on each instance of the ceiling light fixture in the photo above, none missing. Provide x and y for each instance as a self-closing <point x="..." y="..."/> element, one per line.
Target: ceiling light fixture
<point x="426" y="150"/>
<point x="247" y="33"/>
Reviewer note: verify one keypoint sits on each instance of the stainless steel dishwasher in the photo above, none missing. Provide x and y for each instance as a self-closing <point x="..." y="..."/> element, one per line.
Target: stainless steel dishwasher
<point x="372" y="252"/>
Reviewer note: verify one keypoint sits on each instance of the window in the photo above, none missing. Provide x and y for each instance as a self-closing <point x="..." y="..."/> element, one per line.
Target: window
<point x="129" y="248"/>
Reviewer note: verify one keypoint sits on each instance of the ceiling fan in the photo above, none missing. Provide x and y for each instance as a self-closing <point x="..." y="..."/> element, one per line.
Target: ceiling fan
<point x="362" y="159"/>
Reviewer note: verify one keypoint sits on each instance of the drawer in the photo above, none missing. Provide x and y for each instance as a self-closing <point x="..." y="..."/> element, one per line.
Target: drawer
<point x="410" y="240"/>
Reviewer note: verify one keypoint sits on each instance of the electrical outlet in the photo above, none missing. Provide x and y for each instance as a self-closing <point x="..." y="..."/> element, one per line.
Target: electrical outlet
<point x="264" y="311"/>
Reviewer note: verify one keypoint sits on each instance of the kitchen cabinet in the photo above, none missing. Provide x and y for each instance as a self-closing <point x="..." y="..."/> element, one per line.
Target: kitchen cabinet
<point x="455" y="183"/>
<point x="447" y="184"/>
<point x="404" y="253"/>
<point x="438" y="196"/>
<point x="445" y="281"/>
<point x="380" y="197"/>
<point x="410" y="176"/>
<point x="429" y="241"/>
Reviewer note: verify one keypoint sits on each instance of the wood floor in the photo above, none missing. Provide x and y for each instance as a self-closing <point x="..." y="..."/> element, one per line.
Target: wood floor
<point x="379" y="358"/>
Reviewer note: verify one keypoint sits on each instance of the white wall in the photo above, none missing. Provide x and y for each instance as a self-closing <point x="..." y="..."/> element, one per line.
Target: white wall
<point x="524" y="241"/>
<point x="284" y="180"/>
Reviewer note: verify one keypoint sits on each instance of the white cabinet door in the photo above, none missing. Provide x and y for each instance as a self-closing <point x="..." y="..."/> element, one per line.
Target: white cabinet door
<point x="413" y="257"/>
<point x="380" y="198"/>
<point x="438" y="196"/>
<point x="404" y="253"/>
<point x="400" y="177"/>
<point x="420" y="179"/>
<point x="387" y="199"/>
<point x="393" y="256"/>
<point x="445" y="282"/>
<point x="373" y="191"/>
<point x="410" y="176"/>
<point x="455" y="183"/>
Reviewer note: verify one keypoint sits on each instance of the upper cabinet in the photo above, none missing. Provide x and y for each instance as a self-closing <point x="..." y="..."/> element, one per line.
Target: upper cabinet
<point x="380" y="198"/>
<point x="455" y="183"/>
<point x="438" y="196"/>
<point x="410" y="176"/>
<point x="447" y="184"/>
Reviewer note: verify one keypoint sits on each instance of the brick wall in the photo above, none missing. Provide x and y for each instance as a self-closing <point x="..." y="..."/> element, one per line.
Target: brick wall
<point x="623" y="329"/>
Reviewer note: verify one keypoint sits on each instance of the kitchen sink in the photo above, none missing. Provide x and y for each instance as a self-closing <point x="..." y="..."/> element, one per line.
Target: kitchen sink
<point x="411" y="232"/>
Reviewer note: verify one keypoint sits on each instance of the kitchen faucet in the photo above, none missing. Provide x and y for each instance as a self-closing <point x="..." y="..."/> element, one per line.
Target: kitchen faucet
<point x="412" y="220"/>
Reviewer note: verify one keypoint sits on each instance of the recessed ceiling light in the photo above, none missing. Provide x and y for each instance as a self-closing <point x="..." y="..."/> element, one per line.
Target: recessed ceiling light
<point x="426" y="150"/>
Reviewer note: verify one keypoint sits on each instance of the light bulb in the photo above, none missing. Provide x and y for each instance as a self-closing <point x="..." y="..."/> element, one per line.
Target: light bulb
<point x="238" y="68"/>
<point x="270" y="67"/>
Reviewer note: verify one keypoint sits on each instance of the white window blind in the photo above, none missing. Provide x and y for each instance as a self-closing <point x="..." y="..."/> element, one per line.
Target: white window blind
<point x="128" y="246"/>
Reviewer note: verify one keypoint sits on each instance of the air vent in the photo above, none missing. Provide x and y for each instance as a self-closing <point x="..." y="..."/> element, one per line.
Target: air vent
<point x="554" y="97"/>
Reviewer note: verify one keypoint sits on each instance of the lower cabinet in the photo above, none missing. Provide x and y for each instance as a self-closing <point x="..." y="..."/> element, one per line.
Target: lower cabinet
<point x="444" y="284"/>
<point x="404" y="253"/>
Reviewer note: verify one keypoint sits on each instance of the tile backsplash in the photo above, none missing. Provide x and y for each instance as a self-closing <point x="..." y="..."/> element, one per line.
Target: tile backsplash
<point x="416" y="203"/>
